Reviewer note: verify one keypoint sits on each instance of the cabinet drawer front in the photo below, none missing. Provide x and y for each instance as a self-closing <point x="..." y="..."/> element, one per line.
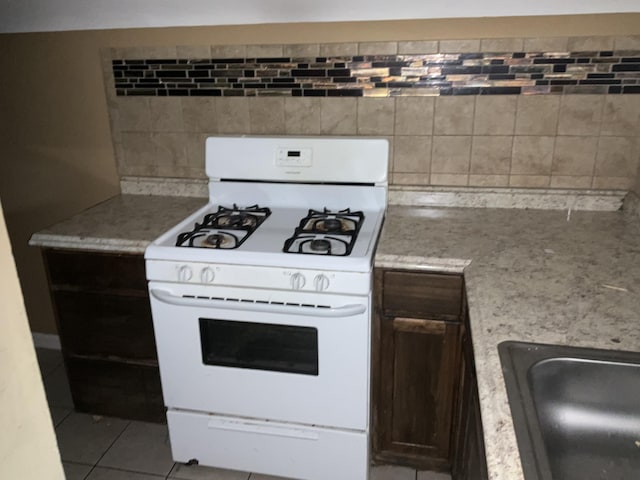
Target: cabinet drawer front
<point x="116" y="389"/>
<point x="96" y="271"/>
<point x="105" y="325"/>
<point x="422" y="295"/>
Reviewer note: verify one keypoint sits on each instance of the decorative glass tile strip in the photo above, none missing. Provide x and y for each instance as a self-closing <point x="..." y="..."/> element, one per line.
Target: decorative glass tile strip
<point x="515" y="73"/>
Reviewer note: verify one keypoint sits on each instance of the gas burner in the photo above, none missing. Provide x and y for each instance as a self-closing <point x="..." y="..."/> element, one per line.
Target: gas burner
<point x="225" y="229"/>
<point x="326" y="221"/>
<point x="320" y="245"/>
<point x="325" y="233"/>
<point x="218" y="240"/>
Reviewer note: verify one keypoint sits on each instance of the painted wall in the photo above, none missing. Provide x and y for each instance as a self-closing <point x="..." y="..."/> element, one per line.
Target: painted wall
<point x="54" y="127"/>
<point x="56" y="15"/>
<point x="28" y="447"/>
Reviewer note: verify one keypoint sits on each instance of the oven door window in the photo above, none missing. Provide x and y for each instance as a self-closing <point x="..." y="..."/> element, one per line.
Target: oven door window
<point x="259" y="346"/>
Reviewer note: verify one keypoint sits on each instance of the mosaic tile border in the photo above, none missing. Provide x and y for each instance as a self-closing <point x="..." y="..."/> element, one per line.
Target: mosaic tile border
<point x="479" y="73"/>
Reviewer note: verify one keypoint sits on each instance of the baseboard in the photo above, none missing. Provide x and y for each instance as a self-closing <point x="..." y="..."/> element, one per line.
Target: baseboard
<point x="46" y="340"/>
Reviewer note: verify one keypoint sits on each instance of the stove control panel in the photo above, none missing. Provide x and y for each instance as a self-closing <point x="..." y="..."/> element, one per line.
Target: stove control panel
<point x="273" y="278"/>
<point x="299" y="157"/>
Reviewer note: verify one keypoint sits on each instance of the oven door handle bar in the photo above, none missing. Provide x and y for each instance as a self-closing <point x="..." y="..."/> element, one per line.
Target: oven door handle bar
<point x="343" y="311"/>
<point x="250" y="427"/>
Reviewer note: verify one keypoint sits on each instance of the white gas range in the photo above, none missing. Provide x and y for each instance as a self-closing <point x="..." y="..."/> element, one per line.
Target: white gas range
<point x="261" y="305"/>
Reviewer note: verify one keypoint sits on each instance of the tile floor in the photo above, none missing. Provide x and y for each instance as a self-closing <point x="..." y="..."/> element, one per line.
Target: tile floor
<point x="105" y="448"/>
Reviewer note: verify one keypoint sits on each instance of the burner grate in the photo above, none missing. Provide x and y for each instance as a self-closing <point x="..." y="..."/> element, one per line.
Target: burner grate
<point x="325" y="233"/>
<point x="227" y="228"/>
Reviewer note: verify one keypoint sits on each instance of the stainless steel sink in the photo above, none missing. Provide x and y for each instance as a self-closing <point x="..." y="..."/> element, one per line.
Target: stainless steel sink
<point x="576" y="411"/>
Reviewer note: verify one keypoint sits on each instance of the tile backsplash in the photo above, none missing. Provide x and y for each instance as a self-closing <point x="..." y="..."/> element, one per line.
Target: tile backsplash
<point x="566" y="135"/>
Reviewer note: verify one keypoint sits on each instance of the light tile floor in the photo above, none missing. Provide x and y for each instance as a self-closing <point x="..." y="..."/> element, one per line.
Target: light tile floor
<point x="105" y="448"/>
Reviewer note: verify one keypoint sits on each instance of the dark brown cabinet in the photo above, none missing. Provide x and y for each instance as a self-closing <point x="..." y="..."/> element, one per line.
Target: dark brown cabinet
<point x="106" y="331"/>
<point x="469" y="459"/>
<point x="416" y="367"/>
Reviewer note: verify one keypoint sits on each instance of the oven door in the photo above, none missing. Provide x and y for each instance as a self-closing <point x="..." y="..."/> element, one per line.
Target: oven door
<point x="276" y="355"/>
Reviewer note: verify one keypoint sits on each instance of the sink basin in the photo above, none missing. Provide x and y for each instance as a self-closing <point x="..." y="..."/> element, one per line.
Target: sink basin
<point x="576" y="411"/>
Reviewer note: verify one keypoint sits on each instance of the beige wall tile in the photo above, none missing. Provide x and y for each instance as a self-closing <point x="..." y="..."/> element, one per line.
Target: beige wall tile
<point x="488" y="180"/>
<point x="166" y="114"/>
<point x="495" y="115"/>
<point x="412" y="154"/>
<point x="196" y="151"/>
<point x="302" y="115"/>
<point x="410" y="179"/>
<point x="267" y="115"/>
<point x="532" y="155"/>
<point x="459" y="46"/>
<point x="574" y="155"/>
<point x="137" y="53"/>
<point x="338" y="116"/>
<point x="378" y="48"/>
<point x="501" y="45"/>
<point x="491" y="154"/>
<point x="199" y="114"/>
<point x="229" y="51"/>
<point x="450" y="179"/>
<point x="546" y="44"/>
<point x="454" y="115"/>
<point x="537" y="115"/>
<point x="138" y="149"/>
<point x="562" y="181"/>
<point x="586" y="44"/>
<point x="621" y="115"/>
<point x="304" y="50"/>
<point x="451" y="154"/>
<point x="170" y="149"/>
<point x="530" y="181"/>
<point x="375" y="116"/>
<point x="617" y="157"/>
<point x="138" y="171"/>
<point x="194" y="51"/>
<point x="255" y="51"/>
<point x="629" y="42"/>
<point x="233" y="115"/>
<point x="134" y="114"/>
<point x="338" y="49"/>
<point x="580" y="114"/>
<point x="414" y="115"/>
<point x="613" y="183"/>
<point x="418" y="47"/>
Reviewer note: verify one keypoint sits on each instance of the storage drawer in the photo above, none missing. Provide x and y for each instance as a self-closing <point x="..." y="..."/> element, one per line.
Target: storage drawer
<point x="116" y="389"/>
<point x="105" y="325"/>
<point x="422" y="295"/>
<point x="96" y="271"/>
<point x="289" y="450"/>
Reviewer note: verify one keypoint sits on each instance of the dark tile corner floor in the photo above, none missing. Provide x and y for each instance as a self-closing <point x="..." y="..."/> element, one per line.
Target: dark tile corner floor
<point x="94" y="447"/>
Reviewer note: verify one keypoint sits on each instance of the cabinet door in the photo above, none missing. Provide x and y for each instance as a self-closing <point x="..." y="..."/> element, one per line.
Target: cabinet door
<point x="418" y="377"/>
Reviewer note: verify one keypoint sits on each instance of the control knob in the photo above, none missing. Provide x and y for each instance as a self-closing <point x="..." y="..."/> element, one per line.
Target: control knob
<point x="321" y="282"/>
<point x="297" y="281"/>
<point x="185" y="273"/>
<point x="207" y="275"/>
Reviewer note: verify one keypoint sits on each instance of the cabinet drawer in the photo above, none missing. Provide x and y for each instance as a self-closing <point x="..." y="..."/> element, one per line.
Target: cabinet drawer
<point x="105" y="325"/>
<point x="96" y="271"/>
<point x="116" y="389"/>
<point x="422" y="295"/>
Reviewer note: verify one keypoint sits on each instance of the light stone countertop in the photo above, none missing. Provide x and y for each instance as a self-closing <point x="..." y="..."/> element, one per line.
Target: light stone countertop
<point x="531" y="275"/>
<point x="125" y="223"/>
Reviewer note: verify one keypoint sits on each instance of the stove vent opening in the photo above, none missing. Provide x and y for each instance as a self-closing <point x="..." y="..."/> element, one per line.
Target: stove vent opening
<point x="249" y="300"/>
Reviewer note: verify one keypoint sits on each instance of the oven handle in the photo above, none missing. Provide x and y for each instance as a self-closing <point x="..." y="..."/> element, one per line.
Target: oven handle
<point x="249" y="427"/>
<point x="344" y="311"/>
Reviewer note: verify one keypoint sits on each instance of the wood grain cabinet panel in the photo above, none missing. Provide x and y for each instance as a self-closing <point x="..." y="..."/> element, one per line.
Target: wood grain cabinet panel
<point x="106" y="331"/>
<point x="416" y="367"/>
